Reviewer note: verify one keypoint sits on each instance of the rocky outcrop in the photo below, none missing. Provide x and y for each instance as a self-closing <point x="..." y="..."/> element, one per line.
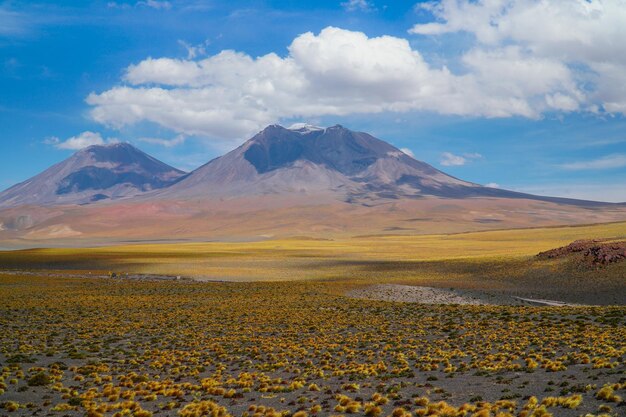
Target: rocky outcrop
<point x="590" y="252"/>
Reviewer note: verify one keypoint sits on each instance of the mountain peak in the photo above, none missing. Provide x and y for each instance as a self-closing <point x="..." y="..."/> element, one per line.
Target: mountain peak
<point x="335" y="148"/>
<point x="304" y="128"/>
<point x="304" y="159"/>
<point x="110" y="145"/>
<point x="94" y="173"/>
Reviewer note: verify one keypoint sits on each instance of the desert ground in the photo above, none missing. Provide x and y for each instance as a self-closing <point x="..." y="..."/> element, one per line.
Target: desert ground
<point x="468" y="324"/>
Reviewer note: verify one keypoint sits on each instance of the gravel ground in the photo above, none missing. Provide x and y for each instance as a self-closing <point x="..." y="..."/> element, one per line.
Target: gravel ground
<point x="431" y="295"/>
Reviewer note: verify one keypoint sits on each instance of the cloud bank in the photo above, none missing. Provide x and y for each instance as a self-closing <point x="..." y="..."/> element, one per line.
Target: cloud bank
<point x="525" y="61"/>
<point x="582" y="38"/>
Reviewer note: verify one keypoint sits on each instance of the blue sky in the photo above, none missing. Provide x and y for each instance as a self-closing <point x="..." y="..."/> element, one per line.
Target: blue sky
<point x="189" y="80"/>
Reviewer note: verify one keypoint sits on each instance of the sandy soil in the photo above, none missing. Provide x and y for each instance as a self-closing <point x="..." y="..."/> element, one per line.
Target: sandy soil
<point x="431" y="295"/>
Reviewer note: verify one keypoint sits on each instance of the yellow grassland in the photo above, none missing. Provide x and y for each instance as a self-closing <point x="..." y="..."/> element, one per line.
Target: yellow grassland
<point x="302" y="258"/>
<point x="494" y="260"/>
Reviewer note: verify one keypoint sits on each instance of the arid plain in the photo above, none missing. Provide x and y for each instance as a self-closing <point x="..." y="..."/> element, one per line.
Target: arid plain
<point x="330" y="208"/>
<point x="188" y="329"/>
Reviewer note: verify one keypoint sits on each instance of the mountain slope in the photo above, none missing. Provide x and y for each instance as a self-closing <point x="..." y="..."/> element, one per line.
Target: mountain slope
<point x="351" y="166"/>
<point x="300" y="181"/>
<point x="328" y="163"/>
<point x="92" y="174"/>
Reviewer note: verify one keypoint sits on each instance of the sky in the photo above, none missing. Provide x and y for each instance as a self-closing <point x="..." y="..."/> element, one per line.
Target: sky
<point x="528" y="95"/>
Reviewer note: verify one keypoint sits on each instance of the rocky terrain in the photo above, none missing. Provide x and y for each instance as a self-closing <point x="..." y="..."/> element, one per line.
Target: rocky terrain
<point x="591" y="252"/>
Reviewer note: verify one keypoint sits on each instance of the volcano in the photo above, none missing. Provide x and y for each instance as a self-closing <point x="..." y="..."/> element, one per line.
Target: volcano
<point x="298" y="181"/>
<point x="333" y="162"/>
<point x="96" y="173"/>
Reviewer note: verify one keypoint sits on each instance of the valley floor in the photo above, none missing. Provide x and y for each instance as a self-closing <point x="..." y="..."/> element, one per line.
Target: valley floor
<point x="124" y="347"/>
<point x="377" y="326"/>
<point x="500" y="262"/>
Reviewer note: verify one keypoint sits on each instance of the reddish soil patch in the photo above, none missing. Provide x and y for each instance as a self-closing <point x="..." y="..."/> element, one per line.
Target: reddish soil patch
<point x="594" y="252"/>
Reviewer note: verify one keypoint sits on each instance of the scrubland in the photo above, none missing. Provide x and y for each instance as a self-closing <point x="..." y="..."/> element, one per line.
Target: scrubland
<point x="115" y="347"/>
<point x="74" y="342"/>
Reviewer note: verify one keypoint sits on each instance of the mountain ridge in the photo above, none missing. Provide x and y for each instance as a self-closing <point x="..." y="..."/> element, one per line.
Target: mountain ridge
<point x="281" y="160"/>
<point x="305" y="160"/>
<point x="92" y="174"/>
<point x="303" y="181"/>
<point x="353" y="166"/>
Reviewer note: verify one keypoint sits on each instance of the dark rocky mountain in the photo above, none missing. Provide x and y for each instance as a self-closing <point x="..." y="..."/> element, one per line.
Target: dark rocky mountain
<point x="303" y="162"/>
<point x="335" y="162"/>
<point x="309" y="160"/>
<point x="93" y="174"/>
<point x="297" y="181"/>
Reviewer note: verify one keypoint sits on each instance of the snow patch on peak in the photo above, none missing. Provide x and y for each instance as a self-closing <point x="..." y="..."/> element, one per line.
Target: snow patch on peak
<point x="304" y="128"/>
<point x="395" y="154"/>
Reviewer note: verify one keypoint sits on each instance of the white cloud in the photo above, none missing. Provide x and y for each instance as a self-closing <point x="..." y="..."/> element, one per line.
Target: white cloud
<point x="81" y="141"/>
<point x="492" y="185"/>
<point x="579" y="39"/>
<point x="525" y="61"/>
<point x="159" y="5"/>
<point x="116" y="5"/>
<point x="336" y="72"/>
<point x="606" y="162"/>
<point x="154" y="4"/>
<point x="168" y="143"/>
<point x="449" y="159"/>
<point x="195" y="51"/>
<point x="354" y="5"/>
<point x="408" y="152"/>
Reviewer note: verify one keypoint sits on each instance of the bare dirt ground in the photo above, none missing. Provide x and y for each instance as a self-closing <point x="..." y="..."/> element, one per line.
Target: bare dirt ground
<point x="451" y="296"/>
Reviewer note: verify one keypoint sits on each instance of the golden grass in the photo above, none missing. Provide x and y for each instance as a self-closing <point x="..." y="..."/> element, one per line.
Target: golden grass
<point x="119" y="348"/>
<point x="305" y="259"/>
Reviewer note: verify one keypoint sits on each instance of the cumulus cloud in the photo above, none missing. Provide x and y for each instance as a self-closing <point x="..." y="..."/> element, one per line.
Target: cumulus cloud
<point x="524" y="61"/>
<point x="542" y="33"/>
<point x="194" y="51"/>
<point x="449" y="159"/>
<point x="606" y="162"/>
<point x="492" y="185"/>
<point x="81" y="141"/>
<point x="335" y="72"/>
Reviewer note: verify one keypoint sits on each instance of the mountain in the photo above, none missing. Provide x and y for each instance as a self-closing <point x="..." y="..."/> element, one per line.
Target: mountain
<point x="333" y="162"/>
<point x="93" y="174"/>
<point x="297" y="181"/>
<point x="308" y="160"/>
